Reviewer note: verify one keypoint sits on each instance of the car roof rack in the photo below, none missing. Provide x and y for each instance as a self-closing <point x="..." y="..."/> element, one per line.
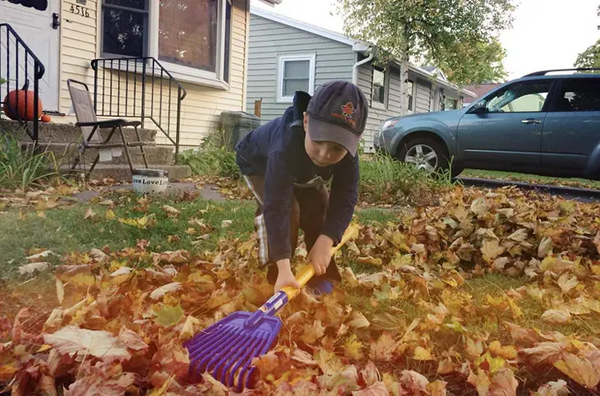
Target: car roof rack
<point x="544" y="72"/>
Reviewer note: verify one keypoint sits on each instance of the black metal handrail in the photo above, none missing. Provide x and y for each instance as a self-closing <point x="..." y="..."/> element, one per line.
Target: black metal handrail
<point x="18" y="66"/>
<point x="139" y="88"/>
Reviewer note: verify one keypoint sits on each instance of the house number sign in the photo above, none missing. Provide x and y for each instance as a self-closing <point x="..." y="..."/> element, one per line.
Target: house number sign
<point x="80" y="10"/>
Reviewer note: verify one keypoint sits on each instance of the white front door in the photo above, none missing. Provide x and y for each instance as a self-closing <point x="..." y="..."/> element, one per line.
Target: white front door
<point x="36" y="28"/>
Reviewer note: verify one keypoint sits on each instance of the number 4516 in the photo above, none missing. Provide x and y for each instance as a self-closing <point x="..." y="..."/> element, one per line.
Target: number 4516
<point x="79" y="10"/>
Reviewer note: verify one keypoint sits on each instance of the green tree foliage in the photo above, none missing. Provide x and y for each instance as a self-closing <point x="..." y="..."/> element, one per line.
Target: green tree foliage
<point x="459" y="36"/>
<point x="590" y="57"/>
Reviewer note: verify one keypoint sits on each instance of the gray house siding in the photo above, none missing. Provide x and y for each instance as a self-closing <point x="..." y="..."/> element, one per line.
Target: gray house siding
<point x="376" y="114"/>
<point x="270" y="39"/>
<point x="423" y="97"/>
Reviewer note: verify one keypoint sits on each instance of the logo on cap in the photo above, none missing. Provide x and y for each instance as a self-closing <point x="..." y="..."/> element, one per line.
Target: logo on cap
<point x="348" y="110"/>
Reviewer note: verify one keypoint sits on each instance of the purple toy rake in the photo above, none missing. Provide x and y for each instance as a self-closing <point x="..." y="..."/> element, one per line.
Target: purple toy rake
<point x="226" y="349"/>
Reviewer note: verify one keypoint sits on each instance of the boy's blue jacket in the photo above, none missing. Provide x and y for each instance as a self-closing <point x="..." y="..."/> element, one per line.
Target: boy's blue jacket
<point x="276" y="151"/>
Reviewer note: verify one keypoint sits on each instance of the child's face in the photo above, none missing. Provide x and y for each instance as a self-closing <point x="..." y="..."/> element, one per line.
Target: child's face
<point x="322" y="153"/>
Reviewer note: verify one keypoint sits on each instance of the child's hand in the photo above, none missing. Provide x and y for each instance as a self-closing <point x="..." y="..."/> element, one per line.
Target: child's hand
<point x="320" y="254"/>
<point x="286" y="276"/>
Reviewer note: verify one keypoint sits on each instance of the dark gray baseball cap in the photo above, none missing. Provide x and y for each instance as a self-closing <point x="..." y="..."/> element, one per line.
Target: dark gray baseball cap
<point x="338" y="113"/>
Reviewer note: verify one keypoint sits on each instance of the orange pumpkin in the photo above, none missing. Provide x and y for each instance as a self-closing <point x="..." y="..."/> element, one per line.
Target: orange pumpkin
<point x="46" y="118"/>
<point x="22" y="101"/>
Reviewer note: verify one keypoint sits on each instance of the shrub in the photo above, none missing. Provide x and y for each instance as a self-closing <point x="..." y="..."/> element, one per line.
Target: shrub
<point x="384" y="180"/>
<point x="22" y="167"/>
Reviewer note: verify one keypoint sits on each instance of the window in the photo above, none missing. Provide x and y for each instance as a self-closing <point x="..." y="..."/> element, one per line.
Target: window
<point x="411" y="98"/>
<point x="524" y="97"/>
<point x="191" y="37"/>
<point x="379" y="91"/>
<point x="442" y="98"/>
<point x="579" y="95"/>
<point x="450" y="104"/>
<point x="295" y="73"/>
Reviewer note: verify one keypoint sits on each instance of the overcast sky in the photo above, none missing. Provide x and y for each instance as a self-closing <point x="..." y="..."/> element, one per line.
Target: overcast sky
<point x="546" y="34"/>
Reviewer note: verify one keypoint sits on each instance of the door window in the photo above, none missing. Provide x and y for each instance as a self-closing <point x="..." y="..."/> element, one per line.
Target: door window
<point x="579" y="95"/>
<point x="524" y="97"/>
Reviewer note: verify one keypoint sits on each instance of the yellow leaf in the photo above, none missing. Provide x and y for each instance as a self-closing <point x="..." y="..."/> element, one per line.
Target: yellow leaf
<point x="191" y="231"/>
<point x="170" y="211"/>
<point x="491" y="249"/>
<point x="41" y="214"/>
<point x="353" y="348"/>
<point x="480" y="207"/>
<point x="189" y="328"/>
<point x="358" y="321"/>
<point x="474" y="349"/>
<point x="516" y="311"/>
<point x="507" y="352"/>
<point x="422" y="354"/>
<point x="169" y="315"/>
<point x="109" y="214"/>
<point x="566" y="284"/>
<point x="313" y="333"/>
<point x="304" y="357"/>
<point x="60" y="291"/>
<point x="545" y="247"/>
<point x="580" y="370"/>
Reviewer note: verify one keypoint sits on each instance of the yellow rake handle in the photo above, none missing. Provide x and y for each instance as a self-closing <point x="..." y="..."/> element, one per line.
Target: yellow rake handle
<point x="309" y="271"/>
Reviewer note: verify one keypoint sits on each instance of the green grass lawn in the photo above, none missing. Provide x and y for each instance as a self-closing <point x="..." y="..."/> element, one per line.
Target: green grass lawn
<point x="522" y="177"/>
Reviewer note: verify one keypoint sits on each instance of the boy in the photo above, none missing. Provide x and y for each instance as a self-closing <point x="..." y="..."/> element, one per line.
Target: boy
<point x="286" y="163"/>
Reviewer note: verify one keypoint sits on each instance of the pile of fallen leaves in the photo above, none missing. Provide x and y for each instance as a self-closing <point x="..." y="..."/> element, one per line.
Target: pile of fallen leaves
<point x="120" y="318"/>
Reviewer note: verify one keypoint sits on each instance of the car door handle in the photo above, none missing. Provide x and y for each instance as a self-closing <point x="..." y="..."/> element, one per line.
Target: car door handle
<point x="531" y="121"/>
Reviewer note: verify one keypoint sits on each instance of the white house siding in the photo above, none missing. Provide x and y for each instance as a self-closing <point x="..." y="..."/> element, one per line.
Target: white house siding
<point x="201" y="109"/>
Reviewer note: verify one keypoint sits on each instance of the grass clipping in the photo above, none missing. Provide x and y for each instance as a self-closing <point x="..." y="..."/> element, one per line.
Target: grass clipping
<point x="487" y="293"/>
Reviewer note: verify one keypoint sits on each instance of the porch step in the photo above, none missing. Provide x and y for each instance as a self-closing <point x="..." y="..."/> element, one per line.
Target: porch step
<point x="67" y="133"/>
<point x="67" y="152"/>
<point x="123" y="173"/>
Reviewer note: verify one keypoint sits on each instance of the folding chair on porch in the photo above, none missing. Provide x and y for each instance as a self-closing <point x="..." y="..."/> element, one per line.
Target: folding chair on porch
<point x="94" y="132"/>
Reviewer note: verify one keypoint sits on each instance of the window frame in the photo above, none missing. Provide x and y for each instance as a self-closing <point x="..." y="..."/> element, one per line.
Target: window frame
<point x="411" y="104"/>
<point x="556" y="96"/>
<point x="188" y="74"/>
<point x="550" y="98"/>
<point x="386" y="86"/>
<point x="281" y="59"/>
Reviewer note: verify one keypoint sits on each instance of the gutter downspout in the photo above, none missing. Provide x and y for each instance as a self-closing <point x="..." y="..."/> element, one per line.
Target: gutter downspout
<point x="359" y="64"/>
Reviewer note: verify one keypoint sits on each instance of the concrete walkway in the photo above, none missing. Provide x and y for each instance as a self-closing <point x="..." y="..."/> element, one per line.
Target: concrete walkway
<point x="208" y="191"/>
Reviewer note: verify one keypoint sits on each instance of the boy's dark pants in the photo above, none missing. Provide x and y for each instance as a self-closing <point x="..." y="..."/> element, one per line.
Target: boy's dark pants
<point x="309" y="210"/>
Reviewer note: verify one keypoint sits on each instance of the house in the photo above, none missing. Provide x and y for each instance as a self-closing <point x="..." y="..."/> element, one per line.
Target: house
<point x="479" y="90"/>
<point x="286" y="55"/>
<point x="200" y="48"/>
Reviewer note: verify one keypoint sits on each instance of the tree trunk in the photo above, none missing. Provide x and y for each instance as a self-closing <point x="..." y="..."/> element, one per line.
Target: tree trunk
<point x="404" y="91"/>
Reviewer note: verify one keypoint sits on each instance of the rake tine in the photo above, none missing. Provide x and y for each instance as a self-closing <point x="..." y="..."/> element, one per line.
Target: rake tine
<point x="222" y="367"/>
<point x="241" y="360"/>
<point x="207" y="338"/>
<point x="223" y="352"/>
<point x="197" y="360"/>
<point x="243" y="380"/>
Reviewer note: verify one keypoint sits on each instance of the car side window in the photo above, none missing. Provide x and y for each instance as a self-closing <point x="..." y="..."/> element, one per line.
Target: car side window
<point x="522" y="97"/>
<point x="579" y="95"/>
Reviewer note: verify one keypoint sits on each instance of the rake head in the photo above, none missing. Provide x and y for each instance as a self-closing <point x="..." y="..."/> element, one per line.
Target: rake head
<point x="226" y="348"/>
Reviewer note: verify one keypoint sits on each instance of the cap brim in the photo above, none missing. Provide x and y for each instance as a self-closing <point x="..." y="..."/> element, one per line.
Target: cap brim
<point x="321" y="131"/>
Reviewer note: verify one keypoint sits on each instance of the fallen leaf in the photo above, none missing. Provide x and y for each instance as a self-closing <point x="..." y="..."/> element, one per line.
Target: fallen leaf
<point x="169" y="315"/>
<point x="480" y="207"/>
<point x="580" y="370"/>
<point x="73" y="341"/>
<point x="545" y="247"/>
<point x="491" y="249"/>
<point x="161" y="291"/>
<point x="109" y="214"/>
<point x="226" y="223"/>
<point x="383" y="349"/>
<point x="353" y="348"/>
<point x="504" y="383"/>
<point x="556" y="316"/>
<point x="89" y="214"/>
<point x="377" y="389"/>
<point x="567" y="283"/>
<point x="171" y="211"/>
<point x="553" y="388"/>
<point x="97" y="385"/>
<point x="313" y="332"/>
<point x="304" y="357"/>
<point x="189" y="328"/>
<point x="31" y="268"/>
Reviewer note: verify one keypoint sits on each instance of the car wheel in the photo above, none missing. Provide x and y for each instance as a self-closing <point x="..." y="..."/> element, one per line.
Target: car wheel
<point x="424" y="153"/>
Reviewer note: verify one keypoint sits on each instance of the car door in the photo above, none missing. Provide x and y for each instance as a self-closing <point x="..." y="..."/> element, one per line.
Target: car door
<point x="504" y="130"/>
<point x="572" y="127"/>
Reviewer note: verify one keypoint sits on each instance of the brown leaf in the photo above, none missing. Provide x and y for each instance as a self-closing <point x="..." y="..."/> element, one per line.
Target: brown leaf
<point x="553" y="388"/>
<point x="567" y="283"/>
<point x="304" y="357"/>
<point x="97" y="385"/>
<point x="370" y="374"/>
<point x="74" y="341"/>
<point x="491" y="249"/>
<point x="377" y="389"/>
<point x="580" y="370"/>
<point x="132" y="340"/>
<point x="597" y="242"/>
<point x="313" y="332"/>
<point x="413" y="383"/>
<point x="521" y="335"/>
<point x="545" y="247"/>
<point x="504" y="384"/>
<point x="383" y="349"/>
<point x="557" y="316"/>
<point x="89" y="214"/>
<point x="543" y="353"/>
